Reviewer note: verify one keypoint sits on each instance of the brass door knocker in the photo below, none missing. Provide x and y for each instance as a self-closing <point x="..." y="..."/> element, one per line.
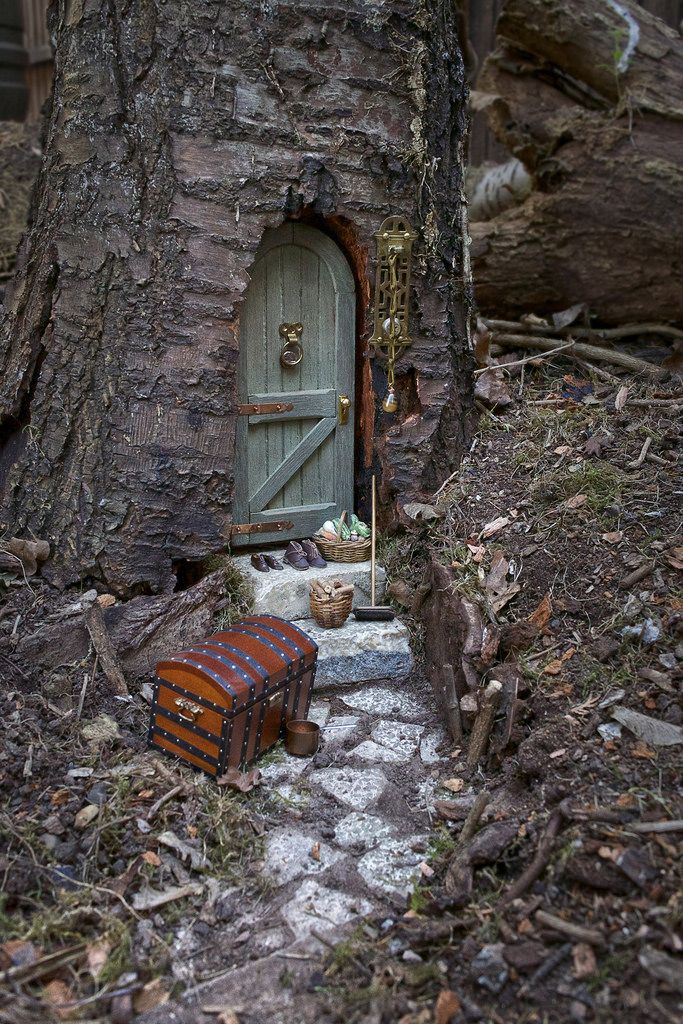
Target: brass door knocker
<point x="292" y="351"/>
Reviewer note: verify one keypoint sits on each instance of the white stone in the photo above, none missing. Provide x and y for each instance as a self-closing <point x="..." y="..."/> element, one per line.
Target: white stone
<point x="359" y="652"/>
<point x="327" y="911"/>
<point x="400" y="737"/>
<point x="392" y="867"/>
<point x="319" y="713"/>
<point x="291" y="796"/>
<point x="357" y="828"/>
<point x="288" y="855"/>
<point x="284" y="769"/>
<point x="430" y="746"/>
<point x="386" y="702"/>
<point x="371" y="751"/>
<point x="340" y="730"/>
<point x="286" y="592"/>
<point x="356" y="787"/>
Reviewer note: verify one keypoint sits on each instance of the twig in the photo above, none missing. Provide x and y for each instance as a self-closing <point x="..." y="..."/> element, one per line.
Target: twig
<point x="597" y="370"/>
<point x="84" y="688"/>
<point x="589" y="352"/>
<point x="523" y="362"/>
<point x="637" y="463"/>
<point x="637" y="575"/>
<point x="472" y="820"/>
<point x="540" y="861"/>
<point x="156" y="807"/>
<point x="452" y="705"/>
<point x="574" y="931"/>
<point x="667" y="403"/>
<point x="94" y="621"/>
<point x="445" y="484"/>
<point x="27" y="972"/>
<point x="604" y="333"/>
<point x="546" y="968"/>
<point x="483" y="724"/>
<point x="613" y="817"/>
<point x="655" y="826"/>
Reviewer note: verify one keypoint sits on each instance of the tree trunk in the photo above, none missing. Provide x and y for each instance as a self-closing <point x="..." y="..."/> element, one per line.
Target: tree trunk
<point x="178" y="134"/>
<point x="590" y="98"/>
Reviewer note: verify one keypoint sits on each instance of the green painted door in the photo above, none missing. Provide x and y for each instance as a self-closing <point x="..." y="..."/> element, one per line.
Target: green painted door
<point x="295" y="464"/>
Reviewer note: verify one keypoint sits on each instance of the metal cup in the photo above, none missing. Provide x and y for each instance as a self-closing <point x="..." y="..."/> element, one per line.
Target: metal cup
<point x="302" y="738"/>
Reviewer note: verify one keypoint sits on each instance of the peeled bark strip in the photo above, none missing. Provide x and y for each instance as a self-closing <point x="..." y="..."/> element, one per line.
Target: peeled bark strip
<point x="590" y="98"/>
<point x="179" y="132"/>
<point x="481" y="730"/>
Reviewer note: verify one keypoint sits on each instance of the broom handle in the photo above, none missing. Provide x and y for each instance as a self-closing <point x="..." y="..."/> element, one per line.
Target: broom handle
<point x="372" y="546"/>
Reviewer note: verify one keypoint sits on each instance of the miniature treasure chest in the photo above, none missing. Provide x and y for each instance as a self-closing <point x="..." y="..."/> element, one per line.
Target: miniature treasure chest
<point x="226" y="699"/>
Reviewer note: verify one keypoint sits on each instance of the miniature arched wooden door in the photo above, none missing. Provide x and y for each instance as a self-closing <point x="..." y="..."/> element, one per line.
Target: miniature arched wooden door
<point x="297" y="342"/>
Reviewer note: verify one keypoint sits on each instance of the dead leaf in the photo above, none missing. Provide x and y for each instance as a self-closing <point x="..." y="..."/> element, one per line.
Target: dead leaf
<point x="416" y="510"/>
<point x="650" y="730"/>
<point x="425" y="870"/>
<point x="554" y="667"/>
<point x="17" y="953"/>
<point x="59" y="797"/>
<point x="576" y="501"/>
<point x="106" y="600"/>
<point x="150" y="899"/>
<point x="565" y="317"/>
<point x="57" y="993"/>
<point x="674" y="556"/>
<point x="101" y="730"/>
<point x="150" y="857"/>
<point x="478" y="552"/>
<point x="86" y="815"/>
<point x="494" y="527"/>
<point x="455" y="785"/>
<point x="621" y="398"/>
<point x="244" y="782"/>
<point x="641" y="750"/>
<point x="97" y="954"/>
<point x="446" y="1007"/>
<point x="314" y="853"/>
<point x="613" y="538"/>
<point x="185" y="850"/>
<point x="540" y="616"/>
<point x="593" y="445"/>
<point x="585" y="964"/>
<point x="150" y="996"/>
<point x="227" y="1017"/>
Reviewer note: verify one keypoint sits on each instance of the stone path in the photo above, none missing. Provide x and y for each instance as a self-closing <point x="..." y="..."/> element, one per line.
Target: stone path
<point x="346" y="835"/>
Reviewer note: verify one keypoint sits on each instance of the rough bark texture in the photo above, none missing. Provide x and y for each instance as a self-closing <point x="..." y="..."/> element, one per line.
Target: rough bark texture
<point x="590" y="98"/>
<point x="178" y="133"/>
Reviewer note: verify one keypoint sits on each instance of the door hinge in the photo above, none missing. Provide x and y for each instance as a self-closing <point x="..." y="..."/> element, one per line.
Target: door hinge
<point x="277" y="526"/>
<point x="264" y="409"/>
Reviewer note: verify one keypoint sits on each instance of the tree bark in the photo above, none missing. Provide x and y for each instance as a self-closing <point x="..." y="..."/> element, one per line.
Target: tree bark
<point x="590" y="98"/>
<point x="179" y="133"/>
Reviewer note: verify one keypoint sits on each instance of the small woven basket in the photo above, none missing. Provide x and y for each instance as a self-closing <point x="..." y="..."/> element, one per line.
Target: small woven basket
<point x="344" y="550"/>
<point x="333" y="613"/>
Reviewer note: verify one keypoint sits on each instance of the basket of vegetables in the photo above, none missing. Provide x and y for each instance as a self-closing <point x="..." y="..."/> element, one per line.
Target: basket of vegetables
<point x="340" y="541"/>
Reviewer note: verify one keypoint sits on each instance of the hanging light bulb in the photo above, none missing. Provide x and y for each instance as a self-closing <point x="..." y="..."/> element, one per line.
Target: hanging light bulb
<point x="390" y="402"/>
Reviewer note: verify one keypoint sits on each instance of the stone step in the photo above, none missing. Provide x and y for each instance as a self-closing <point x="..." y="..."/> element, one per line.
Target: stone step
<point x="359" y="652"/>
<point x="285" y="593"/>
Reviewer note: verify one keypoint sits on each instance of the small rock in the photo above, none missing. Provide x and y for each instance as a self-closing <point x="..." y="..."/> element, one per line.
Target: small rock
<point x="604" y="649"/>
<point x="613" y="697"/>
<point x="48" y="841"/>
<point x="667" y="661"/>
<point x="488" y="845"/>
<point x="101" y="730"/>
<point x="106" y="600"/>
<point x="489" y="968"/>
<point x="610" y="731"/>
<point x="86" y="815"/>
<point x="636" y="866"/>
<point x="650" y="730"/>
<point x="97" y="794"/>
<point x="411" y="958"/>
<point x="647" y="632"/>
<point x="491" y="391"/>
<point x="525" y="956"/>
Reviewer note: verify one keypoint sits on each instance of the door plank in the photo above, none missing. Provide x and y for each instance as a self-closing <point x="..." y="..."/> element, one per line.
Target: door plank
<point x="307" y="405"/>
<point x="293" y="462"/>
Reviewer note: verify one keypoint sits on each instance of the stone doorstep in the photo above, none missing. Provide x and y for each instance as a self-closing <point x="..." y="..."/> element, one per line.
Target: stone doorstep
<point x="285" y="593"/>
<point x="359" y="652"/>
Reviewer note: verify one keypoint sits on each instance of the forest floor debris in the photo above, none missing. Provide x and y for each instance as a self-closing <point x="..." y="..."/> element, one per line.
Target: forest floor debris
<point x="545" y="877"/>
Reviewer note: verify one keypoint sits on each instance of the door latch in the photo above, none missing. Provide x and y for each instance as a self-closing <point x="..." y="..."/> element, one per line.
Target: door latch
<point x="344" y="406"/>
<point x="292" y="351"/>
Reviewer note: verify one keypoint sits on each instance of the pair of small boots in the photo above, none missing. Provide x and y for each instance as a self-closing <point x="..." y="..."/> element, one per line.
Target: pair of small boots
<point x="303" y="555"/>
<point x="264" y="563"/>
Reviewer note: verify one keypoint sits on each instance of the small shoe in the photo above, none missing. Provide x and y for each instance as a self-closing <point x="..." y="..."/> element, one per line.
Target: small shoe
<point x="313" y="556"/>
<point x="272" y="561"/>
<point x="259" y="563"/>
<point x="295" y="556"/>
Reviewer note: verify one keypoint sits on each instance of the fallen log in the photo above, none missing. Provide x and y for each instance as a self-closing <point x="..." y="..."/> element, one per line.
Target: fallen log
<point x="595" y="124"/>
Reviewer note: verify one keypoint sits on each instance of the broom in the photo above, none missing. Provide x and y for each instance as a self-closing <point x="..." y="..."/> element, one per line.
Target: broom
<point x="373" y="612"/>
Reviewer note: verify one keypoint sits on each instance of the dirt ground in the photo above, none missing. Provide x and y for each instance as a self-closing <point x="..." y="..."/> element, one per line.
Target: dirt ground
<point x="563" y="904"/>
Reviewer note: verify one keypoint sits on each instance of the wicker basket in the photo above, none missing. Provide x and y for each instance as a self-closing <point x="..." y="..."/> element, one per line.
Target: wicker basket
<point x="344" y="550"/>
<point x="333" y="613"/>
